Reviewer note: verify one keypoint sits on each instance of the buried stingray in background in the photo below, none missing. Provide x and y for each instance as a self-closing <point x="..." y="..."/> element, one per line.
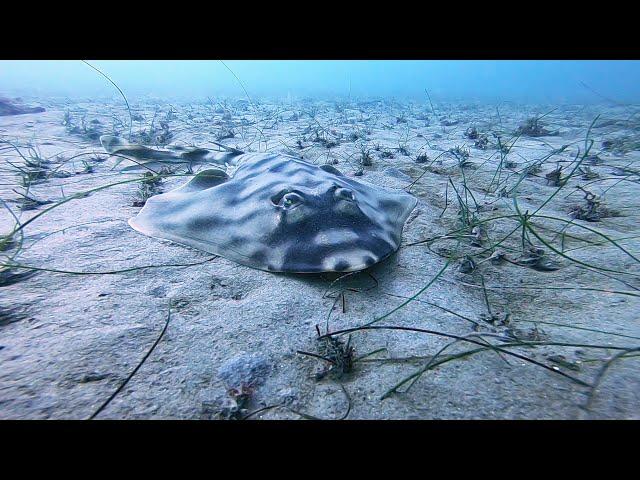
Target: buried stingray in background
<point x="146" y="158"/>
<point x="278" y="213"/>
<point x="10" y="107"/>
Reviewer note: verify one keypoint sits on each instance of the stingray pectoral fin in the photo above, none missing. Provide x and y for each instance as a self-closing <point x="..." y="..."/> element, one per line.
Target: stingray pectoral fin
<point x="167" y="216"/>
<point x="139" y="154"/>
<point x="209" y="178"/>
<point x="212" y="157"/>
<point x="401" y="205"/>
<point x="139" y="166"/>
<point x="195" y="154"/>
<point x="409" y="202"/>
<point x="228" y="148"/>
<point x="331" y="169"/>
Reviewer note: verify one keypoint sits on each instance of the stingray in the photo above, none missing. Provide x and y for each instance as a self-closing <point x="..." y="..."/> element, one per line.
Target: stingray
<point x="279" y="213"/>
<point x="146" y="158"/>
<point x="10" y="107"/>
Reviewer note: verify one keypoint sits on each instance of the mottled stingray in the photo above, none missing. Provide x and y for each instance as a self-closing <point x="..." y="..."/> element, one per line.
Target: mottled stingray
<point x="280" y="214"/>
<point x="146" y="158"/>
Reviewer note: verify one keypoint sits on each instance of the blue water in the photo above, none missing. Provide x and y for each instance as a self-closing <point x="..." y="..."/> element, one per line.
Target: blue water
<point x="519" y="81"/>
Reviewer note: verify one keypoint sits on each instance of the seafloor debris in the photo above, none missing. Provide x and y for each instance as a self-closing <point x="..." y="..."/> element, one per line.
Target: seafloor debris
<point x="592" y="210"/>
<point x="621" y="145"/>
<point x="338" y="355"/>
<point x="471" y="133"/>
<point x="467" y="265"/>
<point x="555" y="177"/>
<point x="149" y="187"/>
<point x="244" y="371"/>
<point x="537" y="259"/>
<point x="534" y="128"/>
<point x="422" y="158"/>
<point x="233" y="406"/>
<point x="241" y="375"/>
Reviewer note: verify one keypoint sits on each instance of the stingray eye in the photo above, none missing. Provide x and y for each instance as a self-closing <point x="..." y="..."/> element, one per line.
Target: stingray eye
<point x="291" y="199"/>
<point x="286" y="199"/>
<point x="344" y="194"/>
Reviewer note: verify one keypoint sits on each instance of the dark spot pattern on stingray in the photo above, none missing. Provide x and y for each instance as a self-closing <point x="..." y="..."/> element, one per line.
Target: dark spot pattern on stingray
<point x="281" y="214"/>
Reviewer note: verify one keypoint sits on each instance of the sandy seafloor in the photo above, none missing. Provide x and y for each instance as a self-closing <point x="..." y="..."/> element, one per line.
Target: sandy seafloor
<point x="68" y="341"/>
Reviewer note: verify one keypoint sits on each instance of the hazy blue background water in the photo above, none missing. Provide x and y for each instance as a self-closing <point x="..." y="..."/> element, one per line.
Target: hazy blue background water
<point x="521" y="81"/>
